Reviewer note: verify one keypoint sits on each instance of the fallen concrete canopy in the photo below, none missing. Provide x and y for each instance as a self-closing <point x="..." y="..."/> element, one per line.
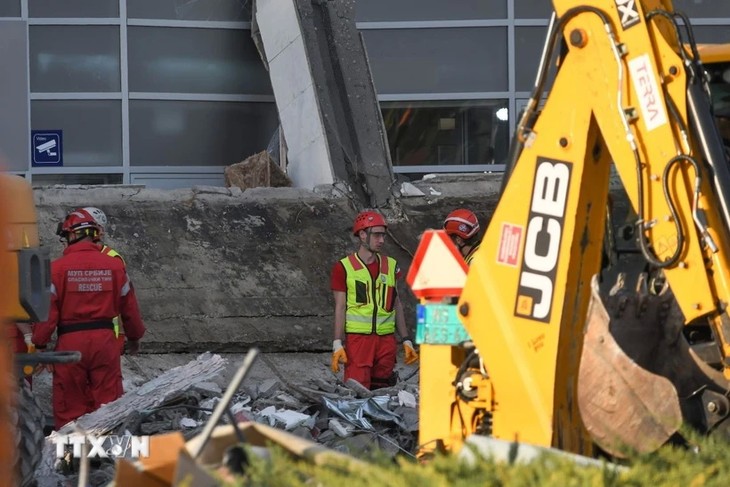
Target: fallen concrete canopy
<point x="225" y="270"/>
<point x="325" y="95"/>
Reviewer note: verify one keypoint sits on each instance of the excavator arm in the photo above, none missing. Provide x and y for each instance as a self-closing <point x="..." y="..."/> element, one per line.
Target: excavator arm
<point x="562" y="351"/>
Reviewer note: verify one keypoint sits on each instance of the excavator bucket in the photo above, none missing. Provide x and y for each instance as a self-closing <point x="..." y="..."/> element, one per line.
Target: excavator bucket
<point x="638" y="379"/>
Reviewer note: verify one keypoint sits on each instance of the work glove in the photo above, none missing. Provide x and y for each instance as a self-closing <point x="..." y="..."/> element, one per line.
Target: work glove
<point x="133" y="347"/>
<point x="28" y="338"/>
<point x="411" y="354"/>
<point x="338" y="355"/>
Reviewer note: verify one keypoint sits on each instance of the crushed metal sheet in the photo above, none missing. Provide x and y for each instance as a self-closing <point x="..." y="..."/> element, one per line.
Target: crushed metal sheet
<point x="354" y="411"/>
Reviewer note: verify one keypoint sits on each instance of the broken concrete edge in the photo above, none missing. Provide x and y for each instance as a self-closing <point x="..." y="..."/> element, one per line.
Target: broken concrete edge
<point x="430" y="189"/>
<point x="222" y="273"/>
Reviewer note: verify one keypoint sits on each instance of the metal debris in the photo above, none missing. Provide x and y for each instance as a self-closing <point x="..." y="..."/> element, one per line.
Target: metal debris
<point x="343" y="417"/>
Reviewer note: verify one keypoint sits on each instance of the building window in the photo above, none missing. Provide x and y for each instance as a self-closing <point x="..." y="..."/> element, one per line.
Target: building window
<point x="9" y="8"/>
<point x="703" y="8"/>
<point x="198" y="133"/>
<point x="533" y="9"/>
<point x="183" y="60"/>
<point x="210" y="10"/>
<point x="447" y="60"/>
<point x="74" y="8"/>
<point x="71" y="58"/>
<point x="426" y="10"/>
<point x="529" y="43"/>
<point x="92" y="129"/>
<point x="711" y="34"/>
<point x="447" y="132"/>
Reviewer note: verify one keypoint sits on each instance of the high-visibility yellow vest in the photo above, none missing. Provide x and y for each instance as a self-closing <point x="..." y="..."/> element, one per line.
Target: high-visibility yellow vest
<point x="105" y="249"/>
<point x="370" y="302"/>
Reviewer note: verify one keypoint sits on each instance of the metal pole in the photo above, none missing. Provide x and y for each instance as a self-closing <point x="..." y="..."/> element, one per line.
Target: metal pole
<point x="222" y="406"/>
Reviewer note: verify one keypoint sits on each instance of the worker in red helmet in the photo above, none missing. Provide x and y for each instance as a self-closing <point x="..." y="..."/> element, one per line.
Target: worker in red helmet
<point x="88" y="289"/>
<point x="367" y="309"/>
<point x="462" y="226"/>
<point x="101" y="220"/>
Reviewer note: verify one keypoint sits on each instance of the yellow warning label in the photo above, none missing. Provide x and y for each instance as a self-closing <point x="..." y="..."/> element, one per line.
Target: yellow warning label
<point x="524" y="305"/>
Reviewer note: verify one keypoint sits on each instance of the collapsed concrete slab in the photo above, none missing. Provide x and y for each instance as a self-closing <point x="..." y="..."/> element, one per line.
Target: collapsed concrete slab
<point x="223" y="270"/>
<point x="325" y="96"/>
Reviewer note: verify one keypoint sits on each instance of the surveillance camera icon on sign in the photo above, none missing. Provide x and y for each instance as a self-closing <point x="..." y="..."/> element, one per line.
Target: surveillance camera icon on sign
<point x="47" y="147"/>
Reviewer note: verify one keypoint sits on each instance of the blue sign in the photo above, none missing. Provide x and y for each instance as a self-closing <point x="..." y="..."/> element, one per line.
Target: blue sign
<point x="47" y="147"/>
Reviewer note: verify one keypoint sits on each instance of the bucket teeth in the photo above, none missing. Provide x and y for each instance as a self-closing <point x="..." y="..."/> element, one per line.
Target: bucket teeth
<point x="638" y="378"/>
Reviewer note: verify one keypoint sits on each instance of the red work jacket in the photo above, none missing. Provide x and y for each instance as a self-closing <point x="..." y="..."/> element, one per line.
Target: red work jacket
<point x="88" y="286"/>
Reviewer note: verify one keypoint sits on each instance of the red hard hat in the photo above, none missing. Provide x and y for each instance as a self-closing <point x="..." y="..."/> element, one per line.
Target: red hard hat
<point x="78" y="220"/>
<point x="368" y="219"/>
<point x="462" y="222"/>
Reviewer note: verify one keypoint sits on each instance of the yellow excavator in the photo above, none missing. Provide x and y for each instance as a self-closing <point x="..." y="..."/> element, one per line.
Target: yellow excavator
<point x="577" y="329"/>
<point x="25" y="297"/>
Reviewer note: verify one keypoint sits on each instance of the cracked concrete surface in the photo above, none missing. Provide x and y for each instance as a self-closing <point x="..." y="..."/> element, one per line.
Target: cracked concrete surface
<point x="222" y="271"/>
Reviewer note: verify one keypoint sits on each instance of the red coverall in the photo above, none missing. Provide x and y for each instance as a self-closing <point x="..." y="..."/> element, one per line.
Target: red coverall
<point x="371" y="358"/>
<point x="88" y="289"/>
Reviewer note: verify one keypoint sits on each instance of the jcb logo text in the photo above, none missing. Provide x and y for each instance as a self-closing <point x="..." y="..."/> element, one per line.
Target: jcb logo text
<point x="542" y="241"/>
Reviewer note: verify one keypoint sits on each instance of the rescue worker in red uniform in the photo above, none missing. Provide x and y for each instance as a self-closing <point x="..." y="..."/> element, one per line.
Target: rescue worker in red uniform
<point x="88" y="289"/>
<point x="368" y="309"/>
<point x="101" y="220"/>
<point x="462" y="226"/>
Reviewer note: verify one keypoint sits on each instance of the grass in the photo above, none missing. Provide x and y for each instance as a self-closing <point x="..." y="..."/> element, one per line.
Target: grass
<point x="706" y="464"/>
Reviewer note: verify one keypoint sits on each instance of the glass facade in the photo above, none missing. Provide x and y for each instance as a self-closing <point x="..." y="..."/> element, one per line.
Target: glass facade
<point x="446" y="133"/>
<point x="171" y="90"/>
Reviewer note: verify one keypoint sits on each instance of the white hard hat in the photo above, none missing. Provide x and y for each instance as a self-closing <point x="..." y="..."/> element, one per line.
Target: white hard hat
<point x="98" y="215"/>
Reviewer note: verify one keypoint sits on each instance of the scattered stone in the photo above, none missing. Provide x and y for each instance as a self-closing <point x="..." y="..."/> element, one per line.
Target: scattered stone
<point x="407" y="399"/>
<point x="348" y="418"/>
<point x="325" y="385"/>
<point x="207" y="389"/>
<point x="256" y="171"/>
<point x="340" y="429"/>
<point x="360" y="390"/>
<point x="268" y="387"/>
<point x="188" y="423"/>
<point x="408" y="189"/>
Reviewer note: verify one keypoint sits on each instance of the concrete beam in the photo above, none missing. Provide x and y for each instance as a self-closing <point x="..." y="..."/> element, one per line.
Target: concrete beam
<point x="325" y="95"/>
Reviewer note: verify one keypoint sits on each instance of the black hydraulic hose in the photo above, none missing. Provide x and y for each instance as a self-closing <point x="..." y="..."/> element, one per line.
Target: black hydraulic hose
<point x="672" y="19"/>
<point x="539" y="86"/>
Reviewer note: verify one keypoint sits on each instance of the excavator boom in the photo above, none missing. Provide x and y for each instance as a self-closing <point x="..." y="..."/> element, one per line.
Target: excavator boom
<point x="567" y="348"/>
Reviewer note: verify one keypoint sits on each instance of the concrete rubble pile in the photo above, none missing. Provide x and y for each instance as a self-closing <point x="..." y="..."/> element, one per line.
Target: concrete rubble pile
<point x="347" y="419"/>
<point x="344" y="417"/>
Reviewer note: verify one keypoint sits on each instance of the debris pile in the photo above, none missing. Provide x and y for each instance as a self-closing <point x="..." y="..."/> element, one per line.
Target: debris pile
<point x="347" y="418"/>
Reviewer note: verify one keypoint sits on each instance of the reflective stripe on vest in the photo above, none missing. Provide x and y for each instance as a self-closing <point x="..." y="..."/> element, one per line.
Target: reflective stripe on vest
<point x="105" y="249"/>
<point x="370" y="304"/>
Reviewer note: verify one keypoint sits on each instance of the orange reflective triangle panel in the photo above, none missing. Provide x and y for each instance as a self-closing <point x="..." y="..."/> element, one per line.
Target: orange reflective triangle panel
<point x="438" y="269"/>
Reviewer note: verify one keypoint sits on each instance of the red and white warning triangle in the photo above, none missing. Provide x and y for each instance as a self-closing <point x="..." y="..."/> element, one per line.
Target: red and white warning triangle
<point x="438" y="269"/>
